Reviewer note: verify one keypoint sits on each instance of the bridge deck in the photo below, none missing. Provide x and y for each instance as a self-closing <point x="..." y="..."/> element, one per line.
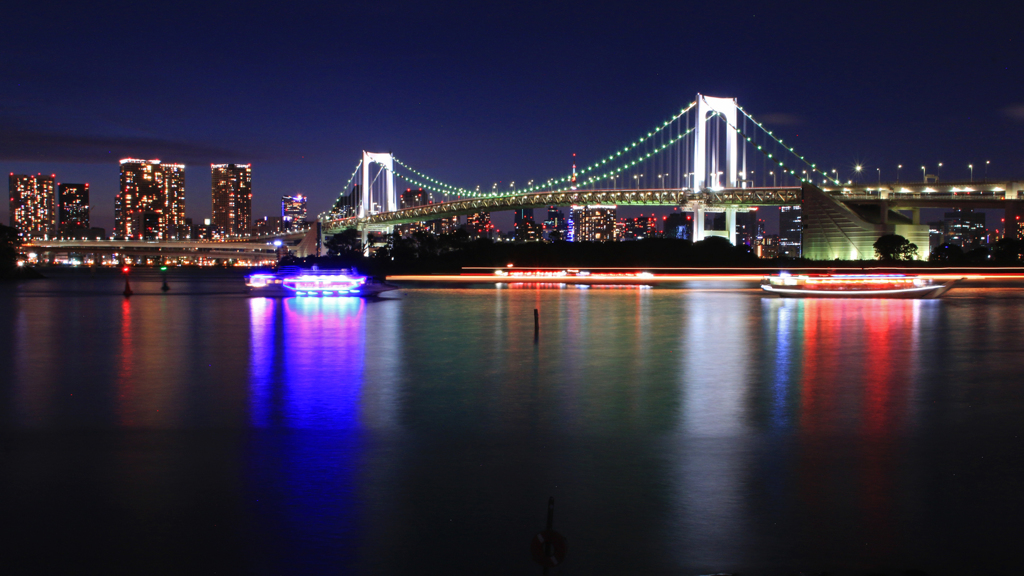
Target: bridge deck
<point x="897" y="195"/>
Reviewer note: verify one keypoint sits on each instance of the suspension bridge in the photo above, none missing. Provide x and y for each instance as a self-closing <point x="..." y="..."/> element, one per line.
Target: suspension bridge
<point x="711" y="156"/>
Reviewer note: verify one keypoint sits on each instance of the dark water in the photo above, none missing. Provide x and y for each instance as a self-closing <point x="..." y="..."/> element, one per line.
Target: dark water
<point x="681" y="431"/>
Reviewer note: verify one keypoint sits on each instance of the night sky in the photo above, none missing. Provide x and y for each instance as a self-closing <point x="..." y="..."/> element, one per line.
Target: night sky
<point x="474" y="94"/>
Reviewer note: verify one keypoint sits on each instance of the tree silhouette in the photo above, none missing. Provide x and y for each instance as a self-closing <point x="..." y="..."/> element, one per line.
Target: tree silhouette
<point x="895" y="247"/>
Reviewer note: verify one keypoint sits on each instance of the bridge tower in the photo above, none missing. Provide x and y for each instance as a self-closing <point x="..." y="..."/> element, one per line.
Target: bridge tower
<point x="727" y="108"/>
<point x="387" y="163"/>
<point x="366" y="207"/>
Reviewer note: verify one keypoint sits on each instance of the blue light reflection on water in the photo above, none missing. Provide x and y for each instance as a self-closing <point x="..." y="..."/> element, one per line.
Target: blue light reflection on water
<point x="307" y="363"/>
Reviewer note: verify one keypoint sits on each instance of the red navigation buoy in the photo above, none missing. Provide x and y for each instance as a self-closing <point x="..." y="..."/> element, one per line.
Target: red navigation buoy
<point x="127" y="287"/>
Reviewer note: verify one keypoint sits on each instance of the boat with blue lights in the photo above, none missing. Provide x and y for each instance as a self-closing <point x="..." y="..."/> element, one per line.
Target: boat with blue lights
<point x="298" y="281"/>
<point x="853" y="286"/>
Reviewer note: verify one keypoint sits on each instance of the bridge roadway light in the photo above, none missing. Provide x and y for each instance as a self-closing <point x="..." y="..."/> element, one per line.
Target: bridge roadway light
<point x="938" y="171"/>
<point x="986" y="169"/>
<point x="924" y="175"/>
<point x="898" y="168"/>
<point x="879" y="176"/>
<point x="971" y="166"/>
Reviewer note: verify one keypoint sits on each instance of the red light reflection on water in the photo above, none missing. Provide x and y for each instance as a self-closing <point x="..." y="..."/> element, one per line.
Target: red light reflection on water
<point x="126" y="366"/>
<point x="857" y="375"/>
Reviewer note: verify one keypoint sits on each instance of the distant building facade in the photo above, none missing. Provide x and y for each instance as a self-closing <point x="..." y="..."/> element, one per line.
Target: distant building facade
<point x="1013" y="220"/>
<point x="150" y="202"/>
<point x="269" y="225"/>
<point x="32" y="205"/>
<point x="413" y="198"/>
<point x="592" y="223"/>
<point x="479" y="225"/>
<point x="677" y="225"/>
<point x="525" y="229"/>
<point x="748" y="228"/>
<point x="232" y="198"/>
<point x="72" y="210"/>
<point x="638" y="228"/>
<point x="767" y="247"/>
<point x="293" y="211"/>
<point x="965" y="228"/>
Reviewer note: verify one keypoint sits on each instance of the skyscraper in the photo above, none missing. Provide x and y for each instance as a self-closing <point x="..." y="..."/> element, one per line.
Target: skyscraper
<point x="232" y="198"/>
<point x="791" y="231"/>
<point x="293" y="210"/>
<point x="72" y="210"/>
<point x="151" y="201"/>
<point x="31" y="204"/>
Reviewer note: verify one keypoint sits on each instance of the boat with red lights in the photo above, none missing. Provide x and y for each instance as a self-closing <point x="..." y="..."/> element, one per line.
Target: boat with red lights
<point x="297" y="281"/>
<point x="853" y="286"/>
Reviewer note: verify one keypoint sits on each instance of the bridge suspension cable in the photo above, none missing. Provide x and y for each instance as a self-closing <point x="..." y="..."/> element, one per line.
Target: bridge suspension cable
<point x="662" y="158"/>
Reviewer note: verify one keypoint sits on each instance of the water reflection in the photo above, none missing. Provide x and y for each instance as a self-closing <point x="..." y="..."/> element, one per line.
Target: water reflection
<point x="307" y="378"/>
<point x="680" y="430"/>
<point x="306" y="361"/>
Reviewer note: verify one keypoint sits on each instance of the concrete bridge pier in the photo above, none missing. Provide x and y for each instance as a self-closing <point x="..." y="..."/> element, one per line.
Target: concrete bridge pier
<point x="698" y="223"/>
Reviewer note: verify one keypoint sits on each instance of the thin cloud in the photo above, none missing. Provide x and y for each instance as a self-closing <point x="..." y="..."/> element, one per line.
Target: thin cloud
<point x="780" y="119"/>
<point x="1015" y="112"/>
<point x="26" y="145"/>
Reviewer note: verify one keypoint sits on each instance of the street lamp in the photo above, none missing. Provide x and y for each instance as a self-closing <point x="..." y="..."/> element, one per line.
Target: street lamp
<point x="971" y="166"/>
<point x="938" y="171"/>
<point x="835" y="176"/>
<point x="775" y="181"/>
<point x="879" y="177"/>
<point x="986" y="169"/>
<point x="898" y="168"/>
<point x="924" y="175"/>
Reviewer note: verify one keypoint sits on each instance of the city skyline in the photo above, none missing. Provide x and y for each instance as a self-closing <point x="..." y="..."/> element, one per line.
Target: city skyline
<point x="468" y="123"/>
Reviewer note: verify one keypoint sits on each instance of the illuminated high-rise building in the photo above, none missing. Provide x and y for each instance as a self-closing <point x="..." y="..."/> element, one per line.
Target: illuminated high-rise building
<point x="592" y="223"/>
<point x="479" y="225"/>
<point x="526" y="230"/>
<point x="72" y="210"/>
<point x="151" y="201"/>
<point x="638" y="228"/>
<point x="1013" y="220"/>
<point x="232" y="198"/>
<point x="293" y="210"/>
<point x="791" y="231"/>
<point x="555" y="219"/>
<point x="32" y="207"/>
<point x="413" y="198"/>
